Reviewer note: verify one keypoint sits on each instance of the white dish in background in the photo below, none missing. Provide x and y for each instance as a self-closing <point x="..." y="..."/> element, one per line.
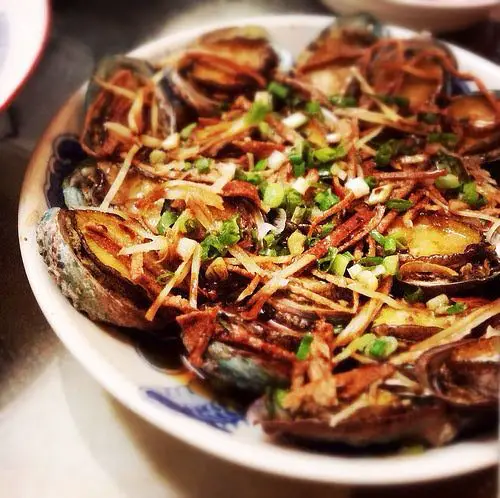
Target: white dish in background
<point x="24" y="27"/>
<point x="164" y="399"/>
<point x="436" y="16"/>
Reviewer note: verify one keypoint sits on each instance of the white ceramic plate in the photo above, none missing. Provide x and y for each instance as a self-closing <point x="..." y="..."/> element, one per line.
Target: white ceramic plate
<point x="164" y="399"/>
<point x="24" y="27"/>
<point x="437" y="16"/>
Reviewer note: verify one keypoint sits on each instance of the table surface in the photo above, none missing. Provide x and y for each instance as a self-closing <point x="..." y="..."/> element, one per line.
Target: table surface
<point x="61" y="434"/>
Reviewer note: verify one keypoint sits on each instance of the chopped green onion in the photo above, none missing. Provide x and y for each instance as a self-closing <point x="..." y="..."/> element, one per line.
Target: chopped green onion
<point x="295" y="158"/>
<point x="264" y="98"/>
<point x="378" y="237"/>
<point x="264" y="128"/>
<point x="248" y="176"/>
<point x="293" y="198"/>
<point x="383" y="347"/>
<point x="386" y="152"/>
<point x="253" y="177"/>
<point x="298" y="163"/>
<point x="268" y="252"/>
<point x="390" y="246"/>
<point x="255" y="236"/>
<point x="299" y="214"/>
<point x="278" y="90"/>
<point x="157" y="156"/>
<point x="446" y="139"/>
<point x="274" y="195"/>
<point x="301" y="147"/>
<point x="371" y="261"/>
<point x="471" y="196"/>
<point x="189" y="226"/>
<point x="270" y="245"/>
<point x="343" y="101"/>
<point x="296" y="243"/>
<point x="371" y="181"/>
<point x="185" y="224"/>
<point x="326" y="229"/>
<point x="309" y="157"/>
<point x="377" y="349"/>
<point x="202" y="164"/>
<point x="367" y="278"/>
<point x="240" y="174"/>
<point x="299" y="169"/>
<point x="257" y="113"/>
<point x="229" y="233"/>
<point x="378" y="270"/>
<point x="355" y="270"/>
<point x="456" y="308"/>
<point x="447" y="182"/>
<point x="167" y="219"/>
<point x="211" y="247"/>
<point x="363" y="342"/>
<point x="270" y="239"/>
<point x="391" y="264"/>
<point x="304" y="346"/>
<point x="185" y="133"/>
<point x="327" y="154"/>
<point x="279" y="396"/>
<point x="336" y="170"/>
<point x="262" y="187"/>
<point x="326" y="263"/>
<point x="389" y="242"/>
<point x="274" y="400"/>
<point x="325" y="200"/>
<point x="340" y="263"/>
<point x="437" y="303"/>
<point x="313" y="107"/>
<point x="216" y="243"/>
<point x="399" y="205"/>
<point x="400" y="239"/>
<point x="261" y="165"/>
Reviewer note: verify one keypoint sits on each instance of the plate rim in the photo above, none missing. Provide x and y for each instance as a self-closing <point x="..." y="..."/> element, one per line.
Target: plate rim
<point x="270" y="459"/>
<point x="37" y="57"/>
<point x="449" y="5"/>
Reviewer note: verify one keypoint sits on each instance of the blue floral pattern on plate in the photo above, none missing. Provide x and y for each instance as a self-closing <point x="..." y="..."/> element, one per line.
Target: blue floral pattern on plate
<point x="184" y="400"/>
<point x="67" y="153"/>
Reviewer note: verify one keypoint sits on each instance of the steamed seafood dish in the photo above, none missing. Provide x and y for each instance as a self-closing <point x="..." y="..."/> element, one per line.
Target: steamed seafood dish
<point x="322" y="236"/>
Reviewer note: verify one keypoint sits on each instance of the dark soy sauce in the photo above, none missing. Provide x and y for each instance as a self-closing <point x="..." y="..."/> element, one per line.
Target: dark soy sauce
<point x="162" y="350"/>
<point x="163" y="353"/>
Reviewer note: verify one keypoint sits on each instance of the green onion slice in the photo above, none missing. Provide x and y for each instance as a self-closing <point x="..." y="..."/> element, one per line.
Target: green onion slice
<point x="304" y="346"/>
